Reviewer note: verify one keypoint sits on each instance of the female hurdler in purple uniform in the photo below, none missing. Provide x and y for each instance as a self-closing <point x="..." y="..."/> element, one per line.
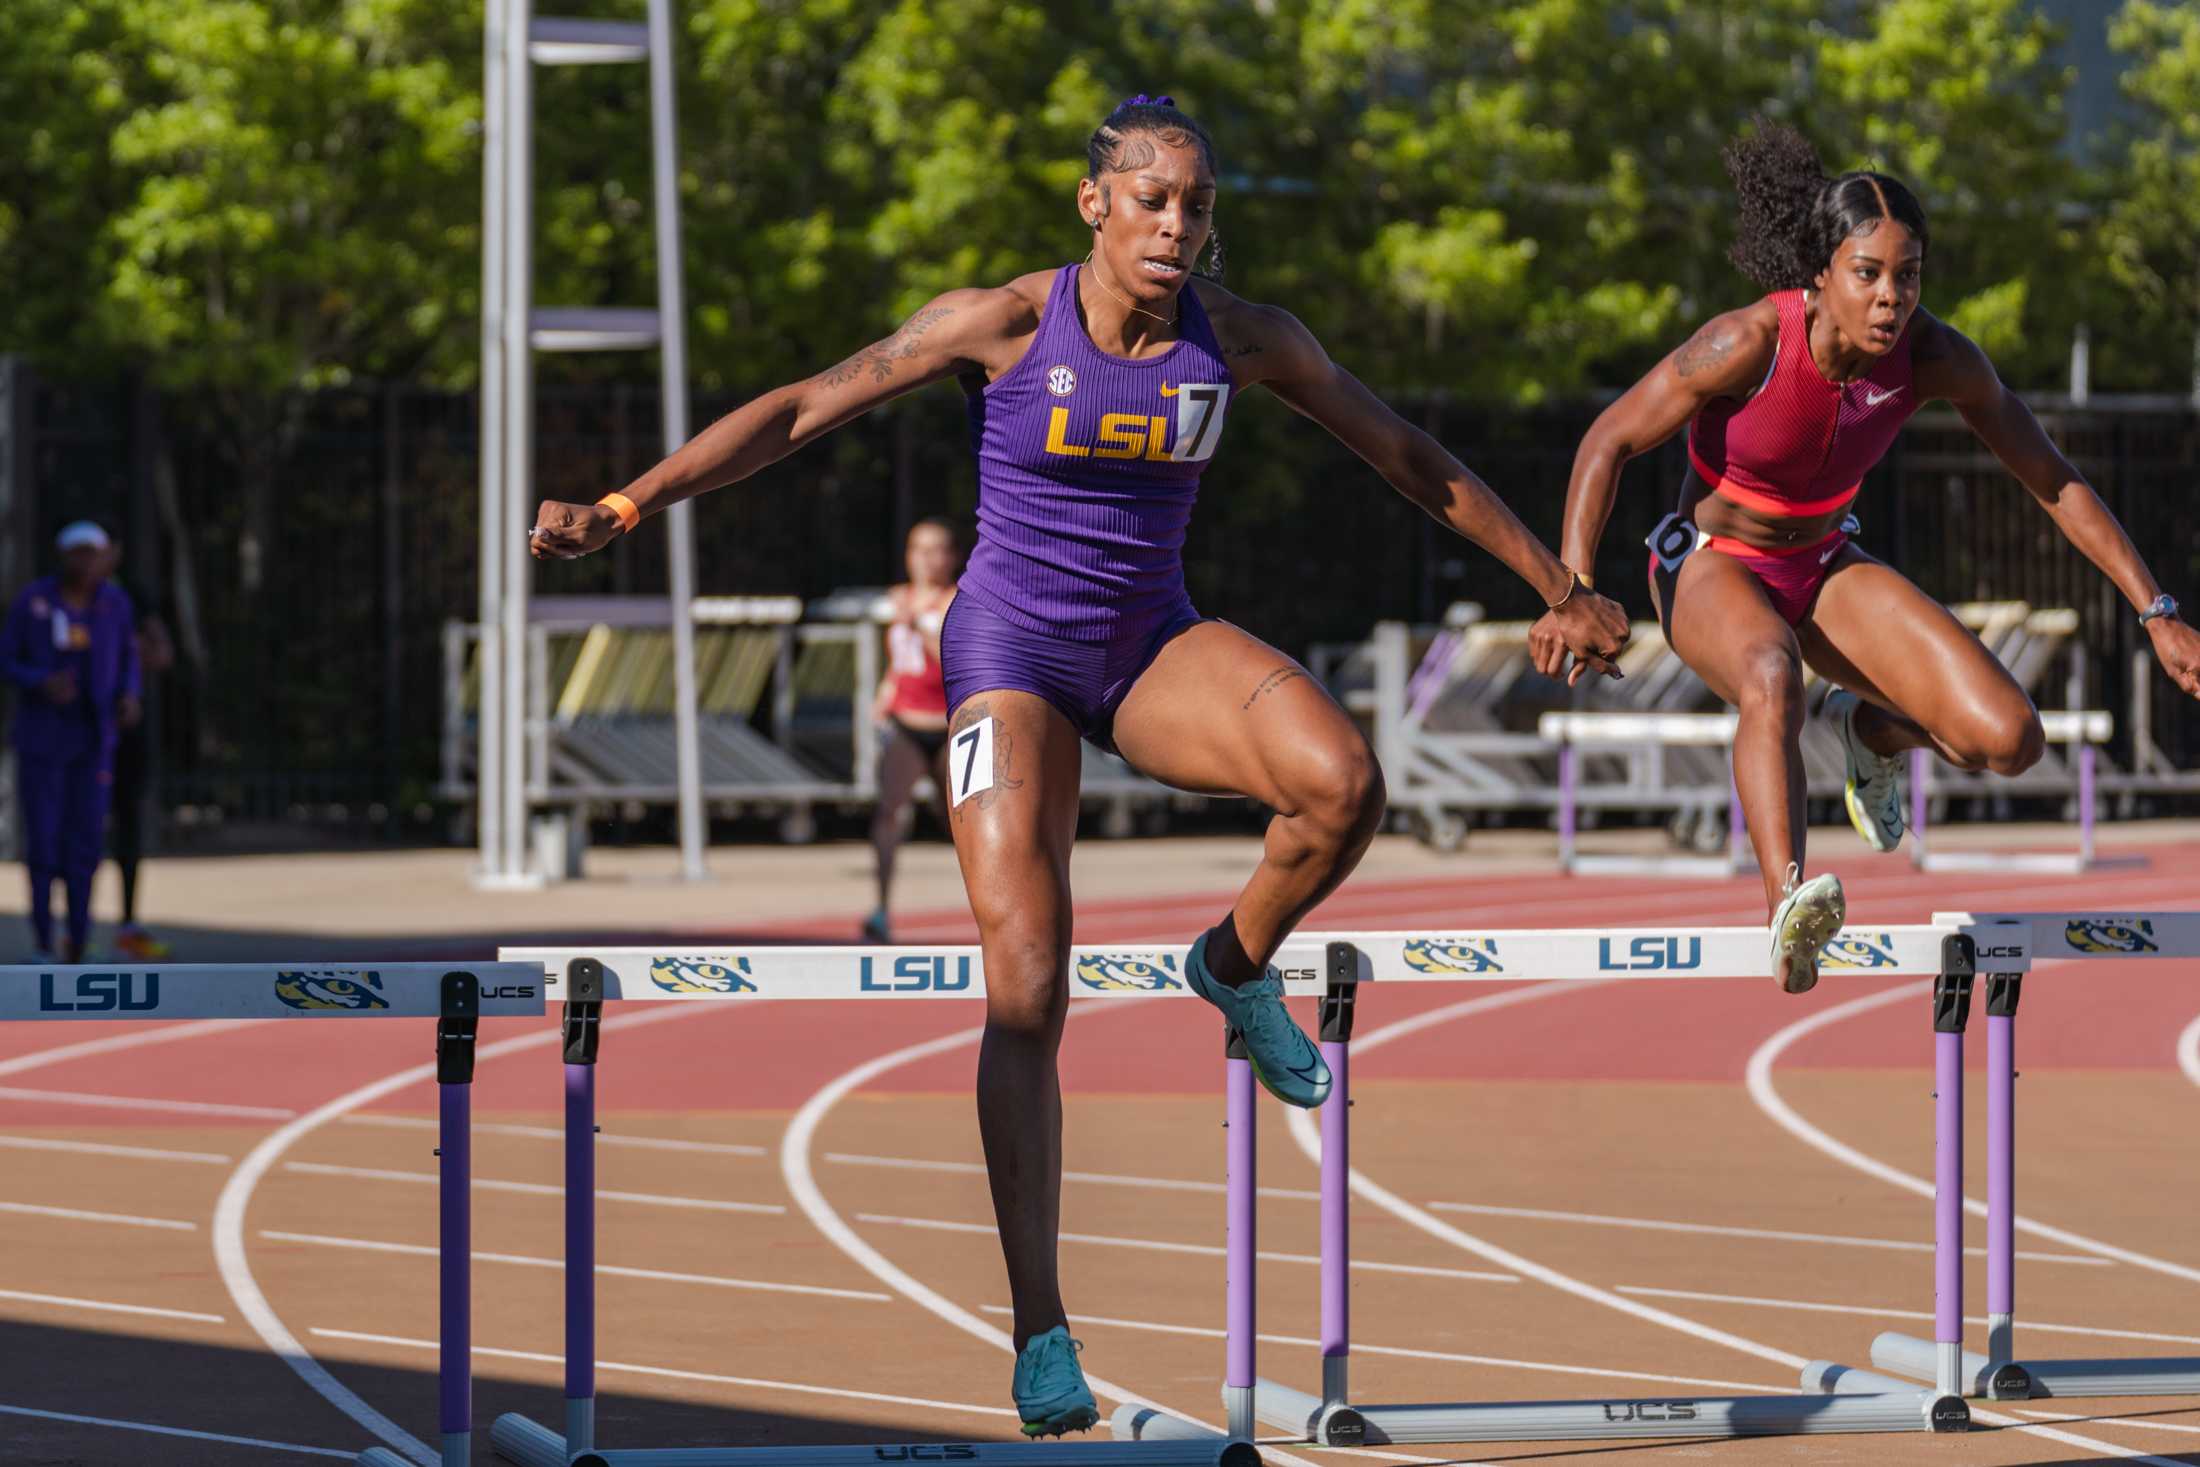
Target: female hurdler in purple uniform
<point x="1097" y="392"/>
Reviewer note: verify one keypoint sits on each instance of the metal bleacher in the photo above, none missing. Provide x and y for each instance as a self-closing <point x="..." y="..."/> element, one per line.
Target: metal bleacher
<point x="783" y="704"/>
<point x="1452" y="712"/>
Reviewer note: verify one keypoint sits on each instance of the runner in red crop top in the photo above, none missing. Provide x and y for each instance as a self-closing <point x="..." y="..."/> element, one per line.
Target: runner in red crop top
<point x="1789" y="402"/>
<point x="911" y="704"/>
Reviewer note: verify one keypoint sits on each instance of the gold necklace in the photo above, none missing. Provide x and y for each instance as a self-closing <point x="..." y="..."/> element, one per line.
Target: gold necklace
<point x="1169" y="321"/>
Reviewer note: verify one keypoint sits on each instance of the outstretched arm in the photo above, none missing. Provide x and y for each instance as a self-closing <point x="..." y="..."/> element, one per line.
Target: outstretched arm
<point x="1727" y="357"/>
<point x="1291" y="363"/>
<point x="954" y="333"/>
<point x="1961" y="373"/>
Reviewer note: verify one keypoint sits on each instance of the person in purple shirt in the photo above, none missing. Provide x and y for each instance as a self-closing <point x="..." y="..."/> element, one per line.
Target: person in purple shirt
<point x="70" y="648"/>
<point x="1097" y="392"/>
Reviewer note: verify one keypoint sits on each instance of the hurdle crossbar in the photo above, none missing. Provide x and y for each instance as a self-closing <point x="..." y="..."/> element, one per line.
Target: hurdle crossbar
<point x="456" y="996"/>
<point x="1999" y="1374"/>
<point x="1574" y="732"/>
<point x="584" y="979"/>
<point x="1431" y="955"/>
<point x="1833" y="1398"/>
<point x="2085" y="728"/>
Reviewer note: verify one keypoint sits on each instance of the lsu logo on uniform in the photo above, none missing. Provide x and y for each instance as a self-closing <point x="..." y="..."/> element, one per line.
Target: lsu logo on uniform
<point x="1869" y="950"/>
<point x="701" y="975"/>
<point x="2110" y="935"/>
<point x="1453" y="955"/>
<point x="321" y="989"/>
<point x="1105" y="974"/>
<point x="1187" y="433"/>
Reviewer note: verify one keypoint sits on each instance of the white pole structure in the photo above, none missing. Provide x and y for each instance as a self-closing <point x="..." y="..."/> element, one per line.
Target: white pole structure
<point x="519" y="447"/>
<point x="489" y="701"/>
<point x="672" y="359"/>
<point x="514" y="328"/>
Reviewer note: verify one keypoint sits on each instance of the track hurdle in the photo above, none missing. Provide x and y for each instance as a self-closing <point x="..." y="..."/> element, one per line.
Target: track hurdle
<point x="457" y="998"/>
<point x="1644" y="735"/>
<point x="1999" y="1374"/>
<point x="1834" y="1398"/>
<point x="1310" y="965"/>
<point x="2087" y="729"/>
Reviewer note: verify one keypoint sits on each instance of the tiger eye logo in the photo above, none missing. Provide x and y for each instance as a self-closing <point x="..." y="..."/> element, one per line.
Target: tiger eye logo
<point x="701" y="975"/>
<point x="1859" y="952"/>
<point x="1453" y="955"/>
<point x="1127" y="975"/>
<point x="322" y="989"/>
<point x="2110" y="935"/>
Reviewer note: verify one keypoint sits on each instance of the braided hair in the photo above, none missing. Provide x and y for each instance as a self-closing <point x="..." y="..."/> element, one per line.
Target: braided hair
<point x="1790" y="217"/>
<point x="1125" y="141"/>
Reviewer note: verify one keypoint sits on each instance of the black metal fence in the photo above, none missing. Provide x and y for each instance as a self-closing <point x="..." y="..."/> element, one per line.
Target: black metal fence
<point x="309" y="578"/>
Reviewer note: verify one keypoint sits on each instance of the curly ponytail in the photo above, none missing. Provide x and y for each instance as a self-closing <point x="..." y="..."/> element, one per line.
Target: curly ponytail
<point x="1789" y="217"/>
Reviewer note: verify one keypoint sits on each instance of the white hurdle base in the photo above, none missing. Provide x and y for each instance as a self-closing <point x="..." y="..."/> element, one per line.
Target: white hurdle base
<point x="1144" y="1424"/>
<point x="1903" y="1409"/>
<point x="1211" y="1450"/>
<point x="523" y="1440"/>
<point x="1709" y="867"/>
<point x="2034" y="1379"/>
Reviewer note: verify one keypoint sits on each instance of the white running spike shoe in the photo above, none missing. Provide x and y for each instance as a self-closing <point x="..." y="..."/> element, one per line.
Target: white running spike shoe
<point x="1806" y="920"/>
<point x="1873" y="792"/>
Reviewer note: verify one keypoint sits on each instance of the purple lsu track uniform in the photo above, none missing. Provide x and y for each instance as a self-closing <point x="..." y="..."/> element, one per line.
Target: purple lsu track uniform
<point x="1087" y="468"/>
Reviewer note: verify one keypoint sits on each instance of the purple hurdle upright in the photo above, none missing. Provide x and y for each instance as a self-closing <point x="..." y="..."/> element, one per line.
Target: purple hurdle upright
<point x="1241" y="1186"/>
<point x="1951" y="1009"/>
<point x="1835" y="1398"/>
<point x="514" y="1436"/>
<point x="2001" y="1162"/>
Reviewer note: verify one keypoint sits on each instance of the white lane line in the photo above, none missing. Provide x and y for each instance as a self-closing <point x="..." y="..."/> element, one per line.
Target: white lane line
<point x="78" y="1214"/>
<point x="1105" y="1179"/>
<point x="236" y="1197"/>
<point x="105" y="1307"/>
<point x="1646" y="1292"/>
<point x="142" y="1102"/>
<point x="1842" y="1240"/>
<point x="1204" y="1250"/>
<point x="1767" y="1098"/>
<point x="101" y="1148"/>
<point x="801" y="1179"/>
<point x="166" y="1033"/>
<point x="422" y="1250"/>
<point x="1204" y="1332"/>
<point x="198" y="1436"/>
<point x="538" y="1189"/>
<point x="2137" y="1421"/>
<point x="792" y="1387"/>
<point x="553" y="1133"/>
<point x="2188" y="1051"/>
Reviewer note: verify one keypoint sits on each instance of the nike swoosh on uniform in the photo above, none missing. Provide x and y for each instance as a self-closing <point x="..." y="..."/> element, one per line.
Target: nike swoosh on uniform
<point x="1167" y="390"/>
<point x="1874" y="399"/>
<point x="1836" y="550"/>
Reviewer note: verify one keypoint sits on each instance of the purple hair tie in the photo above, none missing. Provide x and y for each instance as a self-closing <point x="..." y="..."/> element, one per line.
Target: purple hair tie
<point x="1142" y="100"/>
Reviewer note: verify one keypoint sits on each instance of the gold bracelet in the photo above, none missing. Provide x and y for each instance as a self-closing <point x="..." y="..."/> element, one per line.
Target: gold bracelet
<point x="1575" y="581"/>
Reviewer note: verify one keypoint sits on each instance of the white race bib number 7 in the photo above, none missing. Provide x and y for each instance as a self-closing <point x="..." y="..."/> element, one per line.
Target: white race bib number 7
<point x="1199" y="420"/>
<point x="970" y="761"/>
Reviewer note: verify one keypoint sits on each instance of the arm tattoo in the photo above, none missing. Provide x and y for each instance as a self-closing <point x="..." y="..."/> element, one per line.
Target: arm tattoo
<point x="1244" y="349"/>
<point x="1273" y="681"/>
<point x="1707" y="349"/>
<point x="878" y="359"/>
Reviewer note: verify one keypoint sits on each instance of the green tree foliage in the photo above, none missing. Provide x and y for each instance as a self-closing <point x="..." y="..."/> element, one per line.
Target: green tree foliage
<point x="1506" y="200"/>
<point x="2150" y="235"/>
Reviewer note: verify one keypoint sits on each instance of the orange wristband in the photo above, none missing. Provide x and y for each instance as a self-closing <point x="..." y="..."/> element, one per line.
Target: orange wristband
<point x="623" y="507"/>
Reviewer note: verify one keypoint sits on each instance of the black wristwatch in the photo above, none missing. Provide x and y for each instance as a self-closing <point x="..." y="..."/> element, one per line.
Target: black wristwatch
<point x="2161" y="606"/>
